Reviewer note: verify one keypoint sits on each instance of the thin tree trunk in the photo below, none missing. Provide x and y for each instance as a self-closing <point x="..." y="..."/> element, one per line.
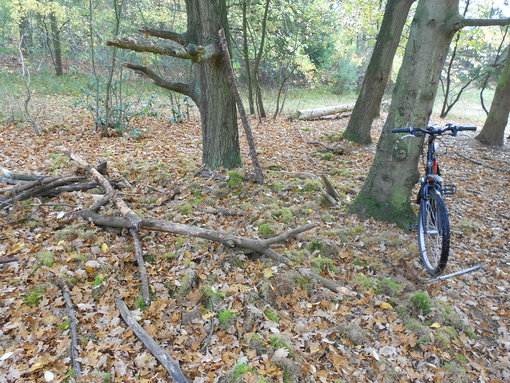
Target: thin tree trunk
<point x="246" y="54"/>
<point x="25" y="34"/>
<point x="378" y="72"/>
<point x="57" y="47"/>
<point x="256" y="66"/>
<point x="493" y="131"/>
<point x="93" y="62"/>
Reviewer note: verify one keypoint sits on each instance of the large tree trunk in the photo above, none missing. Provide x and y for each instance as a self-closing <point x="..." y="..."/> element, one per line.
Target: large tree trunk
<point x="57" y="47"/>
<point x="378" y="71"/>
<point x="216" y="101"/>
<point x="493" y="132"/>
<point x="209" y="88"/>
<point x="386" y="192"/>
<point x="246" y="53"/>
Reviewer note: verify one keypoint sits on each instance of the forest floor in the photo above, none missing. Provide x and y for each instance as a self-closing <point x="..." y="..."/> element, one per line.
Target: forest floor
<point x="239" y="317"/>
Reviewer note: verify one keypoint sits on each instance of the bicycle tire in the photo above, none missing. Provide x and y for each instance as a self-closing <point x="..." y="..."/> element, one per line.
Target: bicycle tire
<point x="433" y="233"/>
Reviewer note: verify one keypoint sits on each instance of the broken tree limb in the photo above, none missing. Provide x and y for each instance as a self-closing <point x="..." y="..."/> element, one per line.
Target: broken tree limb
<point x="133" y="218"/>
<point x="20" y="177"/>
<point x="258" y="245"/>
<point x="171" y="365"/>
<point x="3" y="261"/>
<point x="330" y="190"/>
<point x="141" y="267"/>
<point x="309" y="114"/>
<point x="244" y="119"/>
<point x="73" y="325"/>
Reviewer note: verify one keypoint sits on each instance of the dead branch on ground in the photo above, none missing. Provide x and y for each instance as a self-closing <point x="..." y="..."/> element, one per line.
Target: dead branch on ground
<point x="170" y="364"/>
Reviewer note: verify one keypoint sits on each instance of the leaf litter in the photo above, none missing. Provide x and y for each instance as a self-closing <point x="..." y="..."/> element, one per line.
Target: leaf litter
<point x="232" y="316"/>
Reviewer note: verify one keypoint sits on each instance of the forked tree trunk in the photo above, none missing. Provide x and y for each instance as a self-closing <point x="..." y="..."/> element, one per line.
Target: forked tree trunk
<point x="209" y="88"/>
<point x="216" y="102"/>
<point x="386" y="192"/>
<point x="378" y="72"/>
<point x="493" y="132"/>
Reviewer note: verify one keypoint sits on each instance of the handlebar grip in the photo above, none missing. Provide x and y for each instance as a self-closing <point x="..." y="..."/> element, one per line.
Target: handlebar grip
<point x="459" y="128"/>
<point x="401" y="130"/>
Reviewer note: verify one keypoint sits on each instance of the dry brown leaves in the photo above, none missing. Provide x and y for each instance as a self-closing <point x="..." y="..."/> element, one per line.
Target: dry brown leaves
<point x="243" y="317"/>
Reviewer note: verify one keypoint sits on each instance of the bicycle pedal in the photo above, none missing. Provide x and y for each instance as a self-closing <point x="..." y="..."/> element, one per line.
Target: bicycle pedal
<point x="413" y="227"/>
<point x="449" y="189"/>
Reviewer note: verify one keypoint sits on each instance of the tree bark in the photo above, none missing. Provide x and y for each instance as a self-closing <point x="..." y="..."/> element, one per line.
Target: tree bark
<point x="256" y="65"/>
<point x="246" y="53"/>
<point x="378" y="72"/>
<point x="493" y="131"/>
<point x="217" y="104"/>
<point x="387" y="189"/>
<point x="57" y="46"/>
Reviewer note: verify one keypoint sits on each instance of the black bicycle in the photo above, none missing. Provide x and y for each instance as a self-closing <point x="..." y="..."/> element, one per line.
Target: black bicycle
<point x="433" y="223"/>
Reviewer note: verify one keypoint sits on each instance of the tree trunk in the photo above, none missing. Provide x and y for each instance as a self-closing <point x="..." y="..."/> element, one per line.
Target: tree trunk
<point x="216" y="101"/>
<point x="57" y="47"/>
<point x="387" y="189"/>
<point x="378" y="72"/>
<point x="25" y="33"/>
<point x="493" y="132"/>
<point x="246" y="54"/>
<point x="256" y="66"/>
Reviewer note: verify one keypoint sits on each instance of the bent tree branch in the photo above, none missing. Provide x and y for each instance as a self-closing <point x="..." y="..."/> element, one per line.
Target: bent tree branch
<point x="180" y="38"/>
<point x="185" y="88"/>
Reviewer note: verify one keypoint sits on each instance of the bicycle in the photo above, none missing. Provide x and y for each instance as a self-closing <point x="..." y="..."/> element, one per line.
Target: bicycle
<point x="433" y="223"/>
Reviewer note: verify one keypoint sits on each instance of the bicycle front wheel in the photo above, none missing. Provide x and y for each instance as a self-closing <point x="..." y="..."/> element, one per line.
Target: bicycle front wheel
<point x="433" y="233"/>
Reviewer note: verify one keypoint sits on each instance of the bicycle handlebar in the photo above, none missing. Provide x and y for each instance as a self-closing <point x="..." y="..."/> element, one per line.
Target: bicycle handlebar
<point x="434" y="130"/>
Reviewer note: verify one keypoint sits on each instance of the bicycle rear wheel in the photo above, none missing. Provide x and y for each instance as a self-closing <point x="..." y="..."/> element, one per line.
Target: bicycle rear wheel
<point x="433" y="233"/>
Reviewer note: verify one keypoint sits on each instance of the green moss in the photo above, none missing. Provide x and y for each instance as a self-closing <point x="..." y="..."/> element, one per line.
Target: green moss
<point x="179" y="242"/>
<point x="225" y="317"/>
<point x="239" y="371"/>
<point x="234" y="180"/>
<point x="285" y="215"/>
<point x="265" y="230"/>
<point x="421" y="302"/>
<point x="388" y="287"/>
<point x="65" y="325"/>
<point x="398" y="210"/>
<point x="327" y="156"/>
<point x="46" y="258"/>
<point x="211" y="297"/>
<point x="277" y="187"/>
<point x="315" y="245"/>
<point x="140" y="303"/>
<point x="312" y="186"/>
<point x="272" y="315"/>
<point x="324" y="264"/>
<point x="186" y="209"/>
<point x="33" y="297"/>
<point x="98" y="280"/>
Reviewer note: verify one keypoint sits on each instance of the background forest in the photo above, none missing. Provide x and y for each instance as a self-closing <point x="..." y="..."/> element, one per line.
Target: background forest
<point x="138" y="243"/>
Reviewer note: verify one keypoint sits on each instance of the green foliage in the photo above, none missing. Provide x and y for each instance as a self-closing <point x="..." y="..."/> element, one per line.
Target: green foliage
<point x="324" y="264"/>
<point x="33" y="297"/>
<point x="234" y="179"/>
<point x="65" y="325"/>
<point x="265" y="230"/>
<point x="327" y="156"/>
<point x="239" y="371"/>
<point x="315" y="245"/>
<point x="98" y="280"/>
<point x="140" y="303"/>
<point x="179" y="242"/>
<point x="421" y="302"/>
<point x="186" y="209"/>
<point x="46" y="258"/>
<point x="311" y="186"/>
<point x="225" y="317"/>
<point x="285" y="215"/>
<point x="211" y="297"/>
<point x="272" y="315"/>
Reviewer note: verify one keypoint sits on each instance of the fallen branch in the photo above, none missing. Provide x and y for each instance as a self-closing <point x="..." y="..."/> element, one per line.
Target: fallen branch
<point x="171" y="365"/>
<point x="34" y="210"/>
<point x="308" y="114"/>
<point x="73" y="326"/>
<point x="141" y="267"/>
<point x="19" y="177"/>
<point x="258" y="245"/>
<point x="481" y="163"/>
<point x="110" y="192"/>
<point x="3" y="261"/>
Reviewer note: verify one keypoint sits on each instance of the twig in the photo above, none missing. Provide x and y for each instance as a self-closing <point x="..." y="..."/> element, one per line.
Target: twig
<point x="224" y="211"/>
<point x="34" y="210"/>
<point x="481" y="163"/>
<point x="141" y="267"/>
<point x="73" y="325"/>
<point x="171" y="365"/>
<point x="8" y="260"/>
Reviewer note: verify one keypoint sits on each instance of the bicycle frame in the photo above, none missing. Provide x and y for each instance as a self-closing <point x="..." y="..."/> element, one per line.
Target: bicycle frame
<point x="432" y="179"/>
